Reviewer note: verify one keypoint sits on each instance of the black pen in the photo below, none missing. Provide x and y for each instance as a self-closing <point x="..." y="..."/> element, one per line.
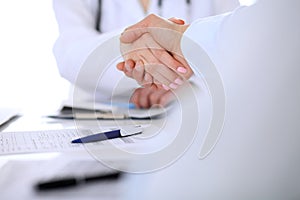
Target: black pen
<point x="119" y="133"/>
<point x="67" y="182"/>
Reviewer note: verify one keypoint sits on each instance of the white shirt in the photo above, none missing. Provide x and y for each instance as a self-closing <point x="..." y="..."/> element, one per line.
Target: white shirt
<point x="256" y="51"/>
<point x="78" y="37"/>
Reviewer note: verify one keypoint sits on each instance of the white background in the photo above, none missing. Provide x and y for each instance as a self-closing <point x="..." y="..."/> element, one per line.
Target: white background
<point x="29" y="78"/>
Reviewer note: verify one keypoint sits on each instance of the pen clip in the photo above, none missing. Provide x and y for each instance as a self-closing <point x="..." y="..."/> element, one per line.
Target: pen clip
<point x="130" y="130"/>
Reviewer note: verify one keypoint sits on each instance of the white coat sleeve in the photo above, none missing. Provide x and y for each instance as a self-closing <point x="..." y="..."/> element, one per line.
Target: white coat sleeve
<point x="224" y="6"/>
<point x="256" y="51"/>
<point x="77" y="40"/>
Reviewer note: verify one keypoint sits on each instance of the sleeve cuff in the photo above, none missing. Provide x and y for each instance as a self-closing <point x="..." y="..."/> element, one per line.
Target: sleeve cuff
<point x="203" y="32"/>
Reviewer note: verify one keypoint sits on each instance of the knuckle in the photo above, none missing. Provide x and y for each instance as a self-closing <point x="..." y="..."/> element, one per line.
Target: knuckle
<point x="134" y="99"/>
<point x="145" y="83"/>
<point x="144" y="103"/>
<point x="151" y="16"/>
<point x="153" y="98"/>
<point x="163" y="101"/>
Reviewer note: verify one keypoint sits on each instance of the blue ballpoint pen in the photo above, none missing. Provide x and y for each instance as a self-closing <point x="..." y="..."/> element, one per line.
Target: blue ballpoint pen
<point x="123" y="132"/>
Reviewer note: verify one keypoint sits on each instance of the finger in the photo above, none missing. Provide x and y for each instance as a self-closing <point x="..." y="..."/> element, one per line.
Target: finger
<point x="162" y="73"/>
<point x="177" y="21"/>
<point x="175" y="62"/>
<point x="185" y="70"/>
<point x="135" y="98"/>
<point x="157" y="62"/>
<point x="166" y="98"/>
<point x="138" y="72"/>
<point x="144" y="98"/>
<point x="128" y="67"/>
<point x="164" y="76"/>
<point x="121" y="66"/>
<point x="167" y="59"/>
<point x="155" y="96"/>
<point x="148" y="80"/>
<point x="157" y="83"/>
<point x="159" y="52"/>
<point x="156" y="69"/>
<point x="165" y="87"/>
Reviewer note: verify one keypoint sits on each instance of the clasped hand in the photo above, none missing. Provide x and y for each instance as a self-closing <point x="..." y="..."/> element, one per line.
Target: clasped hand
<point x="152" y="54"/>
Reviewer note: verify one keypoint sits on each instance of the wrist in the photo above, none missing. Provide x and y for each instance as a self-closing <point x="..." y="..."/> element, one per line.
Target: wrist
<point x="177" y="44"/>
<point x="182" y="28"/>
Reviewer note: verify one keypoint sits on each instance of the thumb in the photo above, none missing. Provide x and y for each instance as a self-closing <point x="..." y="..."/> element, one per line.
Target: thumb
<point x="131" y="34"/>
<point x="135" y="31"/>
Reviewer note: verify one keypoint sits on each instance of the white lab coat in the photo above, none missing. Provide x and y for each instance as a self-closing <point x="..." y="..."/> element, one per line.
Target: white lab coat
<point x="78" y="37"/>
<point x="256" y="50"/>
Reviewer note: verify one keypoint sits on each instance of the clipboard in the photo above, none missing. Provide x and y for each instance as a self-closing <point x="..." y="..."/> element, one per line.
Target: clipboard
<point x="80" y="113"/>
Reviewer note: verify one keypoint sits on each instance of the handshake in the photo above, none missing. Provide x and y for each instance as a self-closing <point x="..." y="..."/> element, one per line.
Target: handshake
<point x="152" y="56"/>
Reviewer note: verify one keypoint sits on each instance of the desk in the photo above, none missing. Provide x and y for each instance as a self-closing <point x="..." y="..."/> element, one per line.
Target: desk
<point x="167" y="128"/>
<point x="247" y="163"/>
<point x="23" y="170"/>
<point x="20" y="172"/>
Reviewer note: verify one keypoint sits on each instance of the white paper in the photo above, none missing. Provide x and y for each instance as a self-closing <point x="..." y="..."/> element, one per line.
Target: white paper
<point x="49" y="141"/>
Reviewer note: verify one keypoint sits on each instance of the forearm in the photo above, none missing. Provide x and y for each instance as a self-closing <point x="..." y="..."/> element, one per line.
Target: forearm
<point x="77" y="45"/>
<point x="224" y="6"/>
<point x="72" y="52"/>
<point x="77" y="36"/>
<point x="204" y="33"/>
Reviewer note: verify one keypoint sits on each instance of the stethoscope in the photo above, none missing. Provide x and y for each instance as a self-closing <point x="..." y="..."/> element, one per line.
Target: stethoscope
<point x="159" y="5"/>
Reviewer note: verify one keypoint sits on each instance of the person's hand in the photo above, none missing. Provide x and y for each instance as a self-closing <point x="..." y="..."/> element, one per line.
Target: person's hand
<point x="167" y="33"/>
<point x="168" y="79"/>
<point x="146" y="97"/>
<point x="137" y="72"/>
<point x="154" y="60"/>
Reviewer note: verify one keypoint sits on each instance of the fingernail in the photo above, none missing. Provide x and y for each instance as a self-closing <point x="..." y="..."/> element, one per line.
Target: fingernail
<point x="165" y="87"/>
<point x="139" y="66"/>
<point x="173" y="86"/>
<point x="148" y="78"/>
<point x="127" y="66"/>
<point x="181" y="70"/>
<point x="178" y="81"/>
